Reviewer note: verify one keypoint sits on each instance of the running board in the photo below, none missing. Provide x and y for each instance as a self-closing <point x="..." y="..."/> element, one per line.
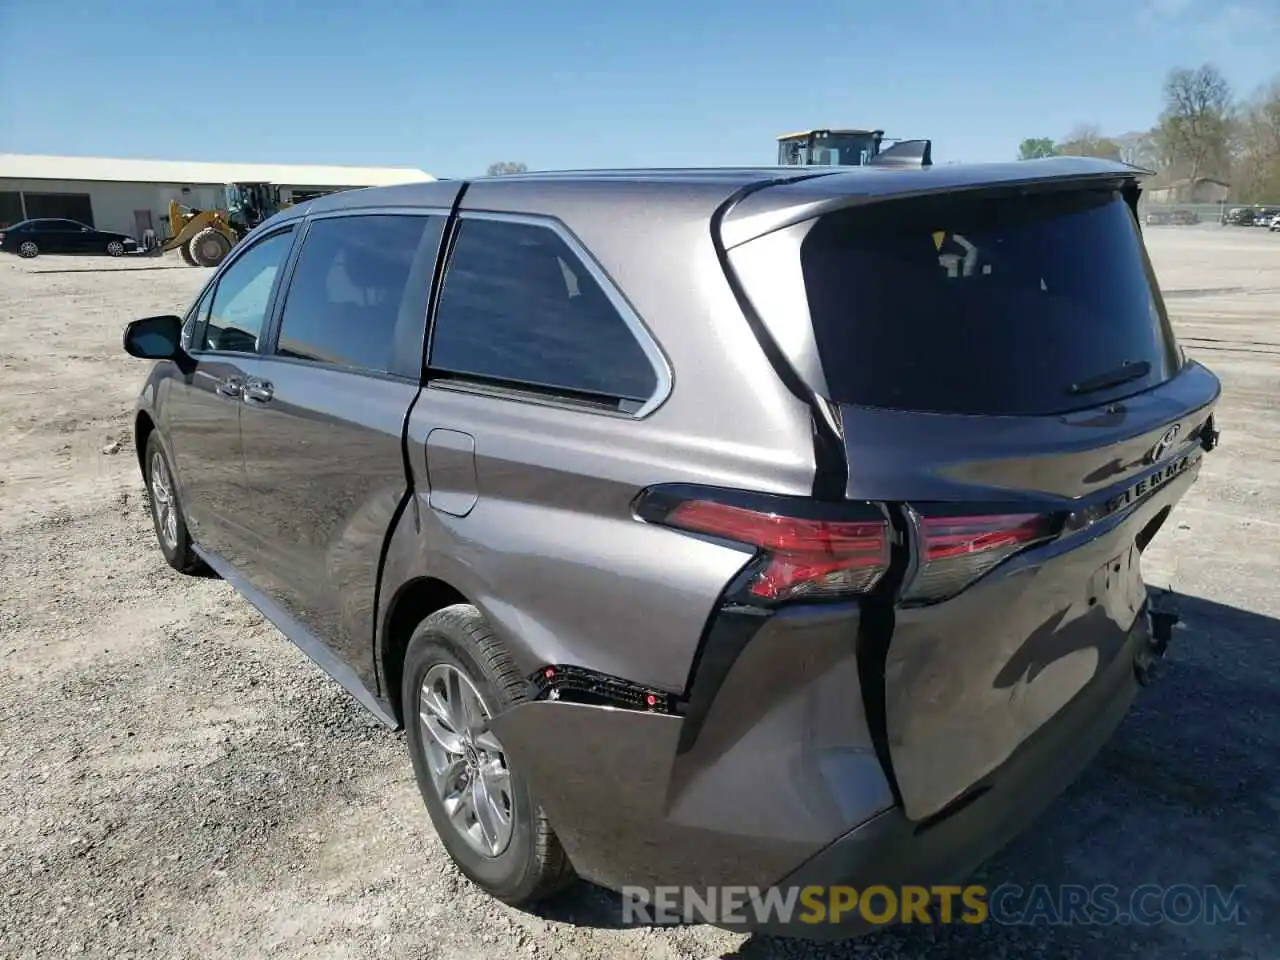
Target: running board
<point x="302" y="638"/>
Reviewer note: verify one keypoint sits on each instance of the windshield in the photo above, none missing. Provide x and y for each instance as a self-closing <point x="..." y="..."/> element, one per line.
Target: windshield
<point x="987" y="305"/>
<point x="836" y="149"/>
<point x="843" y="149"/>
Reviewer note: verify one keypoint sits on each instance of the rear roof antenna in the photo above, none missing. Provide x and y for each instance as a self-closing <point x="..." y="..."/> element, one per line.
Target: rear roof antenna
<point x="905" y="153"/>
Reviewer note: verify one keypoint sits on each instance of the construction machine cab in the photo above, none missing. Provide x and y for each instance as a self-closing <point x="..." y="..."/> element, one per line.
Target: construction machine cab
<point x="829" y="148"/>
<point x="248" y="204"/>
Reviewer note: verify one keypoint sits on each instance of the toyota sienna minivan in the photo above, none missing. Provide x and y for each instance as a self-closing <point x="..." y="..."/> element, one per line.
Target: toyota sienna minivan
<point x="699" y="527"/>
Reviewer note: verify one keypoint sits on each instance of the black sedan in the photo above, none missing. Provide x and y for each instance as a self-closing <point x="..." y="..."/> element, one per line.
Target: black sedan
<point x="30" y="238"/>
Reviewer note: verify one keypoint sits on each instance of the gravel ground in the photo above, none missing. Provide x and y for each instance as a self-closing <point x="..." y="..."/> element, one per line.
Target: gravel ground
<point x="177" y="780"/>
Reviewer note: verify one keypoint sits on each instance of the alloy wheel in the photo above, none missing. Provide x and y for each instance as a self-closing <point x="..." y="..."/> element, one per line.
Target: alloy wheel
<point x="468" y="765"/>
<point x="162" y="502"/>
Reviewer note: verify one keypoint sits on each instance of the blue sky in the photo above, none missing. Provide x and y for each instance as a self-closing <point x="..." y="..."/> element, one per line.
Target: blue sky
<point x="451" y="86"/>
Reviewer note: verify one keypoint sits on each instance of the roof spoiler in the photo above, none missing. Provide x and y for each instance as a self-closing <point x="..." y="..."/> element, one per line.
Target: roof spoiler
<point x="905" y="153"/>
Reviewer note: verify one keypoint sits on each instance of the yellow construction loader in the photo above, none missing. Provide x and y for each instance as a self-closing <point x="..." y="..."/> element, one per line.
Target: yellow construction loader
<point x="205" y="237"/>
<point x="851" y="148"/>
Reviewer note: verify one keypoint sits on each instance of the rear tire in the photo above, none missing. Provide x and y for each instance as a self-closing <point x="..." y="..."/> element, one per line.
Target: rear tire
<point x="209" y="247"/>
<point x="530" y="863"/>
<point x="28" y="250"/>
<point x="166" y="510"/>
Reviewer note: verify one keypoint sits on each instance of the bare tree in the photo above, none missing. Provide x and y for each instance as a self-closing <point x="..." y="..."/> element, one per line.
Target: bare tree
<point x="1194" y="130"/>
<point x="1086" y="140"/>
<point x="1138" y="148"/>
<point x="1256" y="170"/>
<point x="507" y="166"/>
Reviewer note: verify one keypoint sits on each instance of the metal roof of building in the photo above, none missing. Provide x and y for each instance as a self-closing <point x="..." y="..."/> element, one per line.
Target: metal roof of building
<point x="21" y="166"/>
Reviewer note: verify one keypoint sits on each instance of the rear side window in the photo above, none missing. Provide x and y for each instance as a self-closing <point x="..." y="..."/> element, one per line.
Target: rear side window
<point x="345" y="297"/>
<point x="519" y="307"/>
<point x="1008" y="305"/>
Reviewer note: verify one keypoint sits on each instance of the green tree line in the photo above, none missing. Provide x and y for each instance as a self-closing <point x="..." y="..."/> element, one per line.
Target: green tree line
<point x="1203" y="130"/>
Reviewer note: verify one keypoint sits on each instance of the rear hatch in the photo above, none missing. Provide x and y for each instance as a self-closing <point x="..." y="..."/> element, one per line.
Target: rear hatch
<point x="1006" y="378"/>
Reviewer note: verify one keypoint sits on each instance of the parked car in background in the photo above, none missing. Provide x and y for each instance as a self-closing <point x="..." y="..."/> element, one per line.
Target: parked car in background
<point x="1275" y="223"/>
<point x="1263" y="216"/>
<point x="1180" y="217"/>
<point x="672" y="573"/>
<point x="1239" y="217"/>
<point x="30" y="238"/>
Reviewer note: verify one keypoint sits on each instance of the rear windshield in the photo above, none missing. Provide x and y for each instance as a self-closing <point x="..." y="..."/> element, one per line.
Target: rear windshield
<point x="1006" y="305"/>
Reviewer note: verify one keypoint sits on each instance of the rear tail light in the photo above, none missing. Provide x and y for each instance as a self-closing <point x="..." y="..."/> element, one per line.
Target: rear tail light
<point x="957" y="550"/>
<point x="809" y="550"/>
<point x="801" y="557"/>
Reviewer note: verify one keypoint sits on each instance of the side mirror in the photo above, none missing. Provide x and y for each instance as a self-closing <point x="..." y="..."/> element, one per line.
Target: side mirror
<point x="154" y="338"/>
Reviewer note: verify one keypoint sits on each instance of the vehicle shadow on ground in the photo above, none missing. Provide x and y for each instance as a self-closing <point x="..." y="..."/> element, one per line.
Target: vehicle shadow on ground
<point x="1186" y="793"/>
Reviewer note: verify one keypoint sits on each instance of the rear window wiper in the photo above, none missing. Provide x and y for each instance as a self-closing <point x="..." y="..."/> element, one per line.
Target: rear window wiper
<point x="1122" y="374"/>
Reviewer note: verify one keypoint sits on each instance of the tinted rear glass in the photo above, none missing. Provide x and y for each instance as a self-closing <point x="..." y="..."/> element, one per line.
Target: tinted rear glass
<point x="986" y="305"/>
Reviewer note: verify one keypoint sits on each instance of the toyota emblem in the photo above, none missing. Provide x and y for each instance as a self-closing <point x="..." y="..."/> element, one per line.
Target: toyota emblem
<point x="1165" y="443"/>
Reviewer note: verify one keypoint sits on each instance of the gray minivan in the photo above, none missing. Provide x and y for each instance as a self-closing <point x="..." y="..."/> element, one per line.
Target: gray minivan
<point x="700" y="527"/>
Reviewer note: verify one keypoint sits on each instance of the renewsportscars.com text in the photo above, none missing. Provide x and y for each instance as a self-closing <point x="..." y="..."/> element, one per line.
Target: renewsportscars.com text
<point x="1008" y="904"/>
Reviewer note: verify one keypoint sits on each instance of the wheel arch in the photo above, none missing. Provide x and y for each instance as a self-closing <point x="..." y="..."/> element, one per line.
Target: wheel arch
<point x="143" y="426"/>
<point x="413" y="602"/>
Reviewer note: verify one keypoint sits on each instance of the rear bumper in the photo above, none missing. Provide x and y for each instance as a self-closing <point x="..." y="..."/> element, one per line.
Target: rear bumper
<point x="893" y="851"/>
<point x="790" y="793"/>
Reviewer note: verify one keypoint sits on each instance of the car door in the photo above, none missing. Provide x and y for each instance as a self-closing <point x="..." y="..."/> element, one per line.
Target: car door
<point x="539" y="374"/>
<point x="322" y="423"/>
<point x="67" y="236"/>
<point x="49" y="236"/>
<point x="81" y="238"/>
<point x="201" y="412"/>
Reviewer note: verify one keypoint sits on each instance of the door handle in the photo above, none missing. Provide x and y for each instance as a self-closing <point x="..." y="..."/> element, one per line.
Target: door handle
<point x="231" y="387"/>
<point x="258" y="390"/>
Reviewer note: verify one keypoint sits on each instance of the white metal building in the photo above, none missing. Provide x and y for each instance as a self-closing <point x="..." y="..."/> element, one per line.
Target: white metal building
<point x="132" y="196"/>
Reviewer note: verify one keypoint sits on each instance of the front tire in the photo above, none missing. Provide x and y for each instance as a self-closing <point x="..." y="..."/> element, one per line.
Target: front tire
<point x="115" y="249"/>
<point x="456" y="675"/>
<point x="187" y="258"/>
<point x="28" y="250"/>
<point x="209" y="247"/>
<point x="166" y="511"/>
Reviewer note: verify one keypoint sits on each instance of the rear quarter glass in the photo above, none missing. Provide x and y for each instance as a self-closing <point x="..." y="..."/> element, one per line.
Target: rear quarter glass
<point x="987" y="305"/>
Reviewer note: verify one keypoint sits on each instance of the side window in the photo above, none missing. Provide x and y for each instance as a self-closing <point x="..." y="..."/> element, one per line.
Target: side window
<point x="519" y="306"/>
<point x="243" y="293"/>
<point x="346" y="294"/>
<point x="198" y="315"/>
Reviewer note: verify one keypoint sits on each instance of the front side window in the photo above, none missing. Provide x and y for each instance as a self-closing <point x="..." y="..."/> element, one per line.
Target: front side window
<point x="240" y="301"/>
<point x="195" y="317"/>
<point x="346" y="292"/>
<point x="519" y="307"/>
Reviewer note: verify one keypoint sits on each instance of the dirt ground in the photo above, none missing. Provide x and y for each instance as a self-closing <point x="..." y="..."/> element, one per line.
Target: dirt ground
<point x="177" y="780"/>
